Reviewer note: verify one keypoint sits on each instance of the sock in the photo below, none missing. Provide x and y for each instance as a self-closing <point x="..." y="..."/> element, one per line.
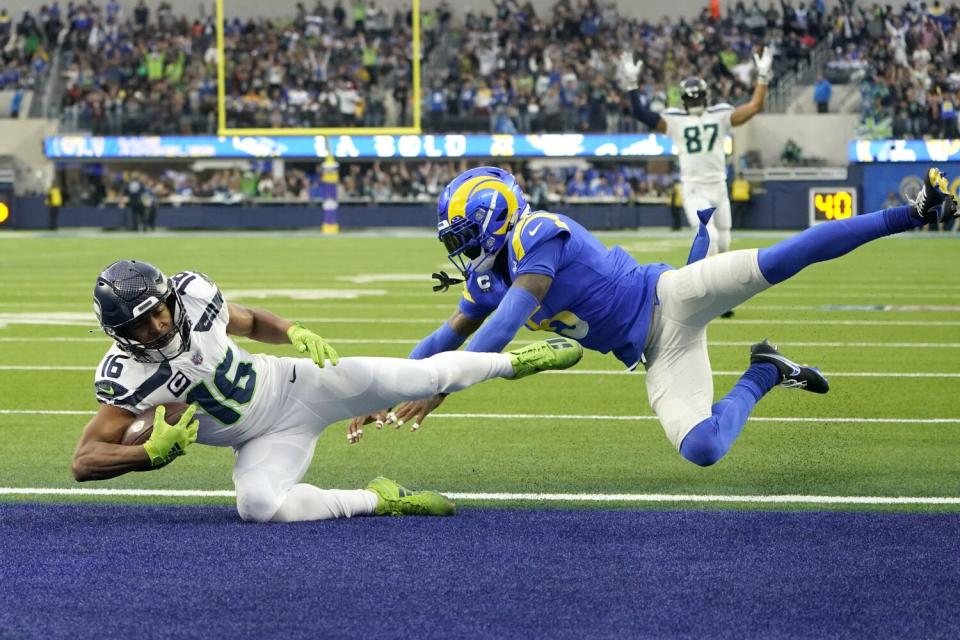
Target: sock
<point x="458" y="370"/>
<point x="711" y="439"/>
<point x="307" y="502"/>
<point x="831" y="240"/>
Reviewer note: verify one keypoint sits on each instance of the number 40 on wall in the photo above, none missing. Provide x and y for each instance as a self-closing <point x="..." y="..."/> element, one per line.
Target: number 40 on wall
<point x="832" y="203"/>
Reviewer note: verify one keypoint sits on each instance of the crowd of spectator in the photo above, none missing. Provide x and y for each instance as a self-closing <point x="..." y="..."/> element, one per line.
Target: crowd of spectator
<point x="378" y="182"/>
<point x="24" y="49"/>
<point x="155" y="72"/>
<point x="348" y="62"/>
<point x="904" y="61"/>
<point x="507" y="68"/>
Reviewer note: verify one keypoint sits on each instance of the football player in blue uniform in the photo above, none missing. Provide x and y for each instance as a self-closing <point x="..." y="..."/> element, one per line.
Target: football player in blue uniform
<point x="546" y="272"/>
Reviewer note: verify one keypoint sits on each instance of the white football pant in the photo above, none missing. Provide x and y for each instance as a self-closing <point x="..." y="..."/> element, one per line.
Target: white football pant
<point x="697" y="196"/>
<point x="679" y="377"/>
<point x="270" y="465"/>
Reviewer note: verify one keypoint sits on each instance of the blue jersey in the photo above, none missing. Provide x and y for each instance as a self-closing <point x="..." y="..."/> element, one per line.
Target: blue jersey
<point x="602" y="298"/>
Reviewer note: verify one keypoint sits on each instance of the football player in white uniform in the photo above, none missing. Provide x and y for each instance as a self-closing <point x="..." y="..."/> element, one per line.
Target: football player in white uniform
<point x="172" y="344"/>
<point x="698" y="132"/>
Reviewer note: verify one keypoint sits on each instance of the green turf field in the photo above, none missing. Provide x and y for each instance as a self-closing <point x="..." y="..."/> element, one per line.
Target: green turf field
<point x="882" y="323"/>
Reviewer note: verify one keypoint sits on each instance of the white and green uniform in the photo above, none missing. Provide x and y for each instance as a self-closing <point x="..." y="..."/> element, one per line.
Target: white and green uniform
<point x="699" y="141"/>
<point x="270" y="409"/>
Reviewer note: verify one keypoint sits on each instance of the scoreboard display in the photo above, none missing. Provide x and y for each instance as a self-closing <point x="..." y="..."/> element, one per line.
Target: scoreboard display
<point x="832" y="203"/>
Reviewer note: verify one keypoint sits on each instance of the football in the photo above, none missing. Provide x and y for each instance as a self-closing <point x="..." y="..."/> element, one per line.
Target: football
<point x="140" y="429"/>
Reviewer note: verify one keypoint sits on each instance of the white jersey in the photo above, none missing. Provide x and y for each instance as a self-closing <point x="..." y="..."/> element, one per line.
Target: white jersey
<point x="236" y="391"/>
<point x="699" y="141"/>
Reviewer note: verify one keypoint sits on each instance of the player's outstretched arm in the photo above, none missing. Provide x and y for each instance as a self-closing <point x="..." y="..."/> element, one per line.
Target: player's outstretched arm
<point x="448" y="337"/>
<point x="764" y="64"/>
<point x="451" y="334"/>
<point x="628" y="73"/>
<point x="521" y="301"/>
<point x="99" y="454"/>
<point x="263" y="326"/>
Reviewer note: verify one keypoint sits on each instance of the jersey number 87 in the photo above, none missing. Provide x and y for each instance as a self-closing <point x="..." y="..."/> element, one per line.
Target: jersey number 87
<point x="692" y="137"/>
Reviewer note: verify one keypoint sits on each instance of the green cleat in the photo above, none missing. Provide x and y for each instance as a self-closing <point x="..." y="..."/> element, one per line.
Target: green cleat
<point x="394" y="500"/>
<point x="547" y="355"/>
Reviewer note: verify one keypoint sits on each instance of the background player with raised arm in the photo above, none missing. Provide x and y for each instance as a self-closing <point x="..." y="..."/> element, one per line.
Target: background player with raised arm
<point x="698" y="131"/>
<point x="172" y="344"/>
<point x="546" y="272"/>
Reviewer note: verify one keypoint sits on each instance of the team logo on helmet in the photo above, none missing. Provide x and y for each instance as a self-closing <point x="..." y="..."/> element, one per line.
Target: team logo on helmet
<point x="475" y="212"/>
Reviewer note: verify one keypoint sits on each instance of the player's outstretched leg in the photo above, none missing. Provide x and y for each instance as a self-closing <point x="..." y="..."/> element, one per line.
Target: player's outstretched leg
<point x="710" y="440"/>
<point x="359" y="386"/>
<point x="394" y="500"/>
<point x="833" y="239"/>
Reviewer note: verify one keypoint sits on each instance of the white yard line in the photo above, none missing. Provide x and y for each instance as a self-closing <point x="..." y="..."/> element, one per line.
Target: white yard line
<point x="580" y="372"/>
<point x="576" y="417"/>
<point x="712" y="343"/>
<point x="78" y="319"/>
<point x="536" y="497"/>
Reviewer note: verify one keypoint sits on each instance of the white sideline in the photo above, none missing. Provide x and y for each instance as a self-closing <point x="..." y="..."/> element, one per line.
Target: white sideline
<point x="714" y="343"/>
<point x="81" y="320"/>
<point x="586" y="372"/>
<point x="538" y="497"/>
<point x="569" y="416"/>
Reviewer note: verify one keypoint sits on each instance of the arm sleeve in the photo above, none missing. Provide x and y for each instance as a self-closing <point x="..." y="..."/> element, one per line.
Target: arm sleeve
<point x="640" y="112"/>
<point x="503" y="325"/>
<point x="443" y="339"/>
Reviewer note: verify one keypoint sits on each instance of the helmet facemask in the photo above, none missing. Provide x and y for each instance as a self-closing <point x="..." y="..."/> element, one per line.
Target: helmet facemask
<point x="163" y="348"/>
<point x="139" y="298"/>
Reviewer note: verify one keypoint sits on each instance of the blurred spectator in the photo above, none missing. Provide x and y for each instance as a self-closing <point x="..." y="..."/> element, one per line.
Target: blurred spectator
<point x="135" y="198"/>
<point x="676" y="203"/>
<point x="367" y="182"/>
<point x="740" y="199"/>
<point x="54" y="202"/>
<point x="892" y="200"/>
<point x="518" y="69"/>
<point x="792" y="154"/>
<point x="821" y="94"/>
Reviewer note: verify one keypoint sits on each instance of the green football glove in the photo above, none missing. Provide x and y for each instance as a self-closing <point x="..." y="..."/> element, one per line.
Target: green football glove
<point x="171" y="440"/>
<point x="305" y="340"/>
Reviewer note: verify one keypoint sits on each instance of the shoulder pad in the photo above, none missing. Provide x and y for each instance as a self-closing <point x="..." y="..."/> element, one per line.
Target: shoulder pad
<point x="202" y="296"/>
<point x="673" y="111"/>
<point x="720" y="106"/>
<point x="194" y="285"/>
<point x="533" y="230"/>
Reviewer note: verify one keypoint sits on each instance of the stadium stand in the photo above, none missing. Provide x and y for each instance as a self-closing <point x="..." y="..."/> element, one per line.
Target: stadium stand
<point x="900" y="60"/>
<point x="505" y="72"/>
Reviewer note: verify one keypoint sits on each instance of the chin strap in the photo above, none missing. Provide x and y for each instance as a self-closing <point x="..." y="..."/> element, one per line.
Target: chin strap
<point x="445" y="281"/>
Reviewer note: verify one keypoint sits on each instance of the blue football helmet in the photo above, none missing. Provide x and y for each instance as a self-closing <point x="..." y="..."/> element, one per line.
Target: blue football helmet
<point x="128" y="291"/>
<point x="475" y="213"/>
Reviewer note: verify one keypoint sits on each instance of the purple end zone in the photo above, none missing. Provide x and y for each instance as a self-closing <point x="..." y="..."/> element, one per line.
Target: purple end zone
<point x="126" y="571"/>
